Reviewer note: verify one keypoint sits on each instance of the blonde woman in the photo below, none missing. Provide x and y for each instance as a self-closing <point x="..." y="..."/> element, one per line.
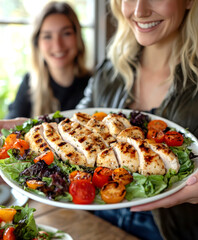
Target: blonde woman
<point x="58" y="75"/>
<point x="153" y="66"/>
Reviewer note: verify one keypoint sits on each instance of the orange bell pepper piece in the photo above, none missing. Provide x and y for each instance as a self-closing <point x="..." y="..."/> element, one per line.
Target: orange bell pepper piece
<point x="10" y="140"/>
<point x="99" y="115"/>
<point x="34" y="184"/>
<point x="22" y="145"/>
<point x="48" y="157"/>
<point x="3" y="153"/>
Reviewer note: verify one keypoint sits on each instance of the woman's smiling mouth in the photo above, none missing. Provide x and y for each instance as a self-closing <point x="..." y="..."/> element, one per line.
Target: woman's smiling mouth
<point x="148" y="25"/>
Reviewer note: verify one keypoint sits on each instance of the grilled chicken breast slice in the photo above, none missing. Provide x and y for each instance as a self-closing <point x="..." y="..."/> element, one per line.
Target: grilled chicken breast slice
<point x="133" y="132"/>
<point x="126" y="155"/>
<point x="107" y="158"/>
<point x="150" y="162"/>
<point x="36" y="140"/>
<point x="84" y="140"/>
<point x="169" y="158"/>
<point x="116" y="123"/>
<point x="63" y="150"/>
<point x="100" y="128"/>
<point x="81" y="118"/>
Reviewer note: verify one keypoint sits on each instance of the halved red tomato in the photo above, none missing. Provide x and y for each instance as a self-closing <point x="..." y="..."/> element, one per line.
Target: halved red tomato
<point x="9" y="234"/>
<point x="173" y="138"/>
<point x="157" y="124"/>
<point x="82" y="191"/>
<point x="113" y="192"/>
<point x="101" y="176"/>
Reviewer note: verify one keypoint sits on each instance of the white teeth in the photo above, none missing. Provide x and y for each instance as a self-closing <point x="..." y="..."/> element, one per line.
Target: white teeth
<point x="148" y="25"/>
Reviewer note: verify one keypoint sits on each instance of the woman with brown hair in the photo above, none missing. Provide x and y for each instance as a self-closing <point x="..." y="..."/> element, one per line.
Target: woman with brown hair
<point x="58" y="74"/>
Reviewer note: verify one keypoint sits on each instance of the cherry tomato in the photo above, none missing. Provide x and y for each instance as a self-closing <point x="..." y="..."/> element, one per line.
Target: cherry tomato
<point x="101" y="176"/>
<point x="157" y="136"/>
<point x="113" y="192"/>
<point x="9" y="234"/>
<point x="77" y="175"/>
<point x="122" y="175"/>
<point x="173" y="138"/>
<point x="82" y="191"/>
<point x="157" y="124"/>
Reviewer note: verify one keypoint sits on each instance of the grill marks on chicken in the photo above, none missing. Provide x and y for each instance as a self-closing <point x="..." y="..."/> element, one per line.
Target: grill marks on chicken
<point x="81" y="118"/>
<point x="132" y="132"/>
<point x="150" y="162"/>
<point x="63" y="150"/>
<point x="36" y="140"/>
<point x="84" y="140"/>
<point x="116" y="123"/>
<point x="111" y="143"/>
<point x="153" y="158"/>
<point x="100" y="128"/>
<point x="126" y="155"/>
<point x="107" y="158"/>
<point x="169" y="158"/>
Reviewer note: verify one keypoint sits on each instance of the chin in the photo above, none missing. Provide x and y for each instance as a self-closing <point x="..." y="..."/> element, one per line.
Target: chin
<point x="146" y="43"/>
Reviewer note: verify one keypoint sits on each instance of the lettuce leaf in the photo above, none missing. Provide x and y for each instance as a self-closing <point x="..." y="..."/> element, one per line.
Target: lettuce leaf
<point x="12" y="166"/>
<point x="25" y="227"/>
<point x="145" y="186"/>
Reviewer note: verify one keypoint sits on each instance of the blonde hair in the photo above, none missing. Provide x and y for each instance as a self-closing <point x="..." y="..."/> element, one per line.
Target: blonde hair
<point x="124" y="49"/>
<point x="41" y="93"/>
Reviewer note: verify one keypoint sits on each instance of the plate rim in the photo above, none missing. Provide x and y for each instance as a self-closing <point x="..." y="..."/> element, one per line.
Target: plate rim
<point x="137" y="201"/>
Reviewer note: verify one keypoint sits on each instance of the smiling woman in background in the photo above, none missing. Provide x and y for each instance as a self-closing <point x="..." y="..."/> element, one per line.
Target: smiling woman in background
<point x="58" y="74"/>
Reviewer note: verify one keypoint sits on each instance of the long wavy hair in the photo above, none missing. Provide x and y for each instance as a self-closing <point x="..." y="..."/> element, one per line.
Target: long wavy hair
<point x="41" y="93"/>
<point x="124" y="50"/>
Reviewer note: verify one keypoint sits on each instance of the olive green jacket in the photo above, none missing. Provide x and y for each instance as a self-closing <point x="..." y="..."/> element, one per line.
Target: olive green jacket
<point x="105" y="90"/>
<point x="180" y="106"/>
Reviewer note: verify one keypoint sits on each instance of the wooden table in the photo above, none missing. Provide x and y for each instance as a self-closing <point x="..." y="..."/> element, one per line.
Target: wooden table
<point x="80" y="224"/>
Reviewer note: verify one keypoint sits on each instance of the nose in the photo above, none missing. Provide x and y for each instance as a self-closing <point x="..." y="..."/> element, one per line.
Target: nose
<point x="58" y="43"/>
<point x="142" y="9"/>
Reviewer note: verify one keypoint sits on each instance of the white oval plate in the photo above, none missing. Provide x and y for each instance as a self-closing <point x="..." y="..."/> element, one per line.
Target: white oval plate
<point x="66" y="236"/>
<point x="124" y="204"/>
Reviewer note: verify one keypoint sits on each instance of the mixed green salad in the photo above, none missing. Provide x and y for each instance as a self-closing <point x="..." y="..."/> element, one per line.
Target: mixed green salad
<point x="61" y="181"/>
<point x="18" y="223"/>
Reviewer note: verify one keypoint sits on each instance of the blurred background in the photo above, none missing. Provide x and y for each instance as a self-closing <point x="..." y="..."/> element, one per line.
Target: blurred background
<point x="16" y="17"/>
